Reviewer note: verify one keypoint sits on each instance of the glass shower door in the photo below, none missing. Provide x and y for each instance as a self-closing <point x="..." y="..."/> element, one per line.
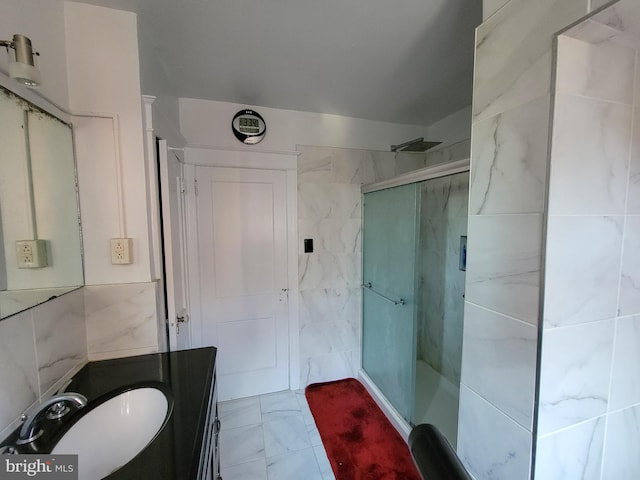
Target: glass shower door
<point x="389" y="312"/>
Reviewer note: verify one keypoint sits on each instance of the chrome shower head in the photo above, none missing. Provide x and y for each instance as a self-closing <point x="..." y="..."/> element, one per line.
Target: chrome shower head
<point x="416" y="145"/>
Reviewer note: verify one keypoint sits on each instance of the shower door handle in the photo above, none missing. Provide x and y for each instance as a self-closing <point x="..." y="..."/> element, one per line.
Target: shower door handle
<point x="369" y="287"/>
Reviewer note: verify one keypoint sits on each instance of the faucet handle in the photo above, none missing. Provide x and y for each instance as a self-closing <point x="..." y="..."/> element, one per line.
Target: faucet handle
<point x="30" y="430"/>
<point x="57" y="410"/>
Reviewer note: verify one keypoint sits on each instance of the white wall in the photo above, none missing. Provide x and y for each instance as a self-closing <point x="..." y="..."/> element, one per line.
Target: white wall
<point x="208" y="123"/>
<point x="102" y="56"/>
<point x="43" y="23"/>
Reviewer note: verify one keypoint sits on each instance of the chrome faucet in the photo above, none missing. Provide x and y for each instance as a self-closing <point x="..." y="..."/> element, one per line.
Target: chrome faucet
<point x="30" y="431"/>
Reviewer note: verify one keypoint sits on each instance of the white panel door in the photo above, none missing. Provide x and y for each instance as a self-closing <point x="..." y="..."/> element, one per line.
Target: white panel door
<point x="174" y="241"/>
<point x="242" y="255"/>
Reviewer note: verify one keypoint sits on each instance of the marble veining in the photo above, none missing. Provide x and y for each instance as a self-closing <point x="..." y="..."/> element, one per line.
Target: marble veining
<point x="575" y="453"/>
<point x="505" y="449"/>
<point x="339" y="304"/>
<point x="241" y="444"/>
<point x="589" y="157"/>
<point x="288" y="445"/>
<point x="330" y="212"/>
<point x="499" y="361"/>
<point x="503" y="264"/>
<point x="629" y="301"/>
<point x="574" y="376"/>
<point x="625" y="375"/>
<point x="278" y="405"/>
<point x="604" y="70"/>
<point x="285" y="435"/>
<point x="300" y="464"/>
<point x="510" y="160"/>
<point x="513" y="53"/>
<point x="622" y="444"/>
<point x="121" y="317"/>
<point x="240" y="413"/>
<point x="18" y="369"/>
<point x="332" y="235"/>
<point x="328" y="367"/>
<point x="61" y="337"/>
<point x="582" y="276"/>
<point x="443" y="220"/>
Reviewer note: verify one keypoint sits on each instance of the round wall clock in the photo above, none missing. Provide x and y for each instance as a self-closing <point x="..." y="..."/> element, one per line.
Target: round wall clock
<point x="248" y="126"/>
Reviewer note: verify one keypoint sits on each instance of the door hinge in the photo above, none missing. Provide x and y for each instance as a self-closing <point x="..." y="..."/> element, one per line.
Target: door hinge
<point x="195" y="186"/>
<point x="181" y="186"/>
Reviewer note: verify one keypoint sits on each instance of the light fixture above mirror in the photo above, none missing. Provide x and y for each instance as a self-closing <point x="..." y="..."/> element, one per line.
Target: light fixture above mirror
<point x="22" y="66"/>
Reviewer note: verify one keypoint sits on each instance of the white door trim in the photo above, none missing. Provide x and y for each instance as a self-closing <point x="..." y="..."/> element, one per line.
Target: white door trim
<point x="230" y="158"/>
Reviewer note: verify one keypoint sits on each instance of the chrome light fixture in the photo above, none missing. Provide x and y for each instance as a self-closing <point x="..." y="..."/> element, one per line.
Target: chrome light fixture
<point x="23" y="68"/>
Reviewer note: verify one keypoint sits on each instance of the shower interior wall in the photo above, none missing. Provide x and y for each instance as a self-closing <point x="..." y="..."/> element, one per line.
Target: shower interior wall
<point x="443" y="221"/>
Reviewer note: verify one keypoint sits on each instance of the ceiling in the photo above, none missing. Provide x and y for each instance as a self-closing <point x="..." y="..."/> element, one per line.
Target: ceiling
<point x="401" y="61"/>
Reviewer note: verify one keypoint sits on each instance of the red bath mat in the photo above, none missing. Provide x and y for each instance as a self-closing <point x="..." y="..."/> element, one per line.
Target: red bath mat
<point x="360" y="442"/>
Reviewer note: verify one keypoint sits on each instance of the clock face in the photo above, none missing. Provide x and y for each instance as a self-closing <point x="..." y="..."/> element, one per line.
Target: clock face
<point x="248" y="127"/>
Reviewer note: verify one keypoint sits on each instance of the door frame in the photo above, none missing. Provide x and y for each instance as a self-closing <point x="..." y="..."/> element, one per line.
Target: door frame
<point x="216" y="157"/>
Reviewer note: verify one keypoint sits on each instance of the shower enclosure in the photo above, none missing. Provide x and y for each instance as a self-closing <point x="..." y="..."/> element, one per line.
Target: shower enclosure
<point x="414" y="254"/>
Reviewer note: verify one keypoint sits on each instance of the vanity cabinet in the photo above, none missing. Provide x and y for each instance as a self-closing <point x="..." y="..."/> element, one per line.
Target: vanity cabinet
<point x="187" y="446"/>
<point x="210" y="456"/>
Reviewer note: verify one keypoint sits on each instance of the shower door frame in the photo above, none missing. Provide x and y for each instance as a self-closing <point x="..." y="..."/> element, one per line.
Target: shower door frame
<point x="416" y="176"/>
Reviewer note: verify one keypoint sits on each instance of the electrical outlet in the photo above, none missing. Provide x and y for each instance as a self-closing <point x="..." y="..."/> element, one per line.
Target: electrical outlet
<point x="121" y="251"/>
<point x="31" y="253"/>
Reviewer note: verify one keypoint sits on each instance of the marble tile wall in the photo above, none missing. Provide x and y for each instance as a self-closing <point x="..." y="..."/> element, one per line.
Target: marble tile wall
<point x="330" y="212"/>
<point x="443" y="220"/>
<point x="122" y="320"/>
<point x="39" y="349"/>
<point x="509" y="163"/>
<point x="589" y="397"/>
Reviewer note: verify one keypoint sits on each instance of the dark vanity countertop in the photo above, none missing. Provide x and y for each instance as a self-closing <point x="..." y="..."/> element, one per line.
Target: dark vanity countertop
<point x="175" y="452"/>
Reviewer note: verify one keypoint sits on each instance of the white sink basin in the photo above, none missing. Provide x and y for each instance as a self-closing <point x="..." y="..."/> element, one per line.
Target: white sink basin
<point x="111" y="434"/>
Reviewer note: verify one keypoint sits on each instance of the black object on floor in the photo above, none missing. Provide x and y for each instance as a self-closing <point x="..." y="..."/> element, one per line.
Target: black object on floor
<point x="434" y="456"/>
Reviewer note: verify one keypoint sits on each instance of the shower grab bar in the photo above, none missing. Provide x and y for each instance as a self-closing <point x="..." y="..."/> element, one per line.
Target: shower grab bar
<point x="369" y="287"/>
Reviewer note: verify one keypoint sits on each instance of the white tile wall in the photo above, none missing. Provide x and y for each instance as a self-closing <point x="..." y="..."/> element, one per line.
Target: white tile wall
<point x="588" y="389"/>
<point x="510" y="161"/>
<point x="505" y="455"/>
<point x="39" y="348"/>
<point x="330" y="212"/>
<point x="513" y="53"/>
<point x="509" y="166"/>
<point x="499" y="361"/>
<point x="122" y="320"/>
<point x="572" y="453"/>
<point x="622" y="443"/>
<point x="503" y="265"/>
<point x="443" y="220"/>
<point x="582" y="269"/>
<point x="590" y="156"/>
<point x="625" y="376"/>
<point x="629" y="301"/>
<point x="574" y="374"/>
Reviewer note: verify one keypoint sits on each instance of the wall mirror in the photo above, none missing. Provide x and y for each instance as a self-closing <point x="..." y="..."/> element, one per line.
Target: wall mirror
<point x="40" y="240"/>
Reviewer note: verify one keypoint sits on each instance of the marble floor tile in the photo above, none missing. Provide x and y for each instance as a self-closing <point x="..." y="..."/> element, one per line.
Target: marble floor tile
<point x="254" y="470"/>
<point x="271" y="437"/>
<point x="296" y="465"/>
<point x="314" y="435"/>
<point x="240" y="413"/>
<point x="285" y="435"/>
<point x="325" y="467"/>
<point x="278" y="405"/>
<point x="240" y="445"/>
